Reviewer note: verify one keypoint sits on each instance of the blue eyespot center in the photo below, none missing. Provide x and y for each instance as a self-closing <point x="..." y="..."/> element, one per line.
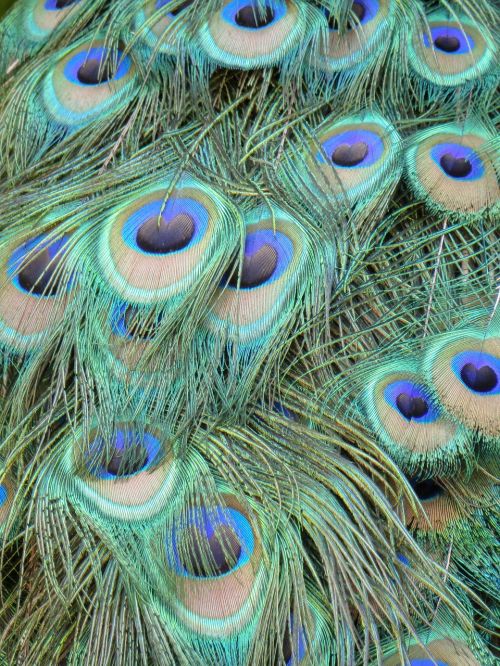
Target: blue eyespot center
<point x="411" y="401"/>
<point x="129" y="453"/>
<point x="160" y="227"/>
<point x="449" y="40"/>
<point x="211" y="542"/>
<point x="179" y="8"/>
<point x="249" y="15"/>
<point x="294" y="643"/>
<point x="54" y="5"/>
<point x="97" y="65"/>
<point x="36" y="266"/>
<point x="427" y="662"/>
<point x="427" y="489"/>
<point x="362" y="11"/>
<point x="3" y="494"/>
<point x="355" y="148"/>
<point x="266" y="257"/>
<point x="478" y="371"/>
<point x="457" y="161"/>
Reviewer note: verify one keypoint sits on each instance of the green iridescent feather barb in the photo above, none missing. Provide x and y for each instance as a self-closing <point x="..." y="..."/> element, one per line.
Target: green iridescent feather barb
<point x="249" y="333"/>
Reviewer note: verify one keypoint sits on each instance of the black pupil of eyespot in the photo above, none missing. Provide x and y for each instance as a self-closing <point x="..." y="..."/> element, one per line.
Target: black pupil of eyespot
<point x="159" y="236"/>
<point x="481" y="380"/>
<point x="256" y="269"/>
<point x="94" y="71"/>
<point x="455" y="167"/>
<point x="447" y="43"/>
<point x="359" y="12"/>
<point x="61" y="4"/>
<point x="204" y="556"/>
<point x="410" y="407"/>
<point x="348" y="155"/>
<point x="427" y="489"/>
<point x="252" y="16"/>
<point x="38" y="274"/>
<point x="126" y="461"/>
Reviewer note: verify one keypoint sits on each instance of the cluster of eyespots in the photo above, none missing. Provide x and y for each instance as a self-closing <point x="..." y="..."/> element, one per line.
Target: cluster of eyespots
<point x="35" y="266"/>
<point x="128" y="454"/>
<point x="211" y="542"/>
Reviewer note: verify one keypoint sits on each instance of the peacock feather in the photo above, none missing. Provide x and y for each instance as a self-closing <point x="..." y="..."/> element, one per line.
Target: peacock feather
<point x="249" y="333"/>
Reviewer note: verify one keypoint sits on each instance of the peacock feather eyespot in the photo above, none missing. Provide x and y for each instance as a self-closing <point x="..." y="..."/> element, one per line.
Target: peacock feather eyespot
<point x="88" y="83"/>
<point x="448" y="502"/>
<point x="404" y="413"/>
<point x="464" y="367"/>
<point x="250" y="34"/>
<point x="34" y="289"/>
<point x="426" y="489"/>
<point x="362" y="37"/>
<point x="214" y="554"/>
<point x="447" y="52"/>
<point x="438" y="648"/>
<point x="154" y="250"/>
<point x="35" y="267"/>
<point x="126" y="474"/>
<point x="160" y="37"/>
<point x="39" y="18"/>
<point x="253" y="297"/>
<point x="478" y="371"/>
<point x="129" y="454"/>
<point x="362" y="11"/>
<point x="452" y="169"/>
<point x="357" y="156"/>
<point x="213" y="542"/>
